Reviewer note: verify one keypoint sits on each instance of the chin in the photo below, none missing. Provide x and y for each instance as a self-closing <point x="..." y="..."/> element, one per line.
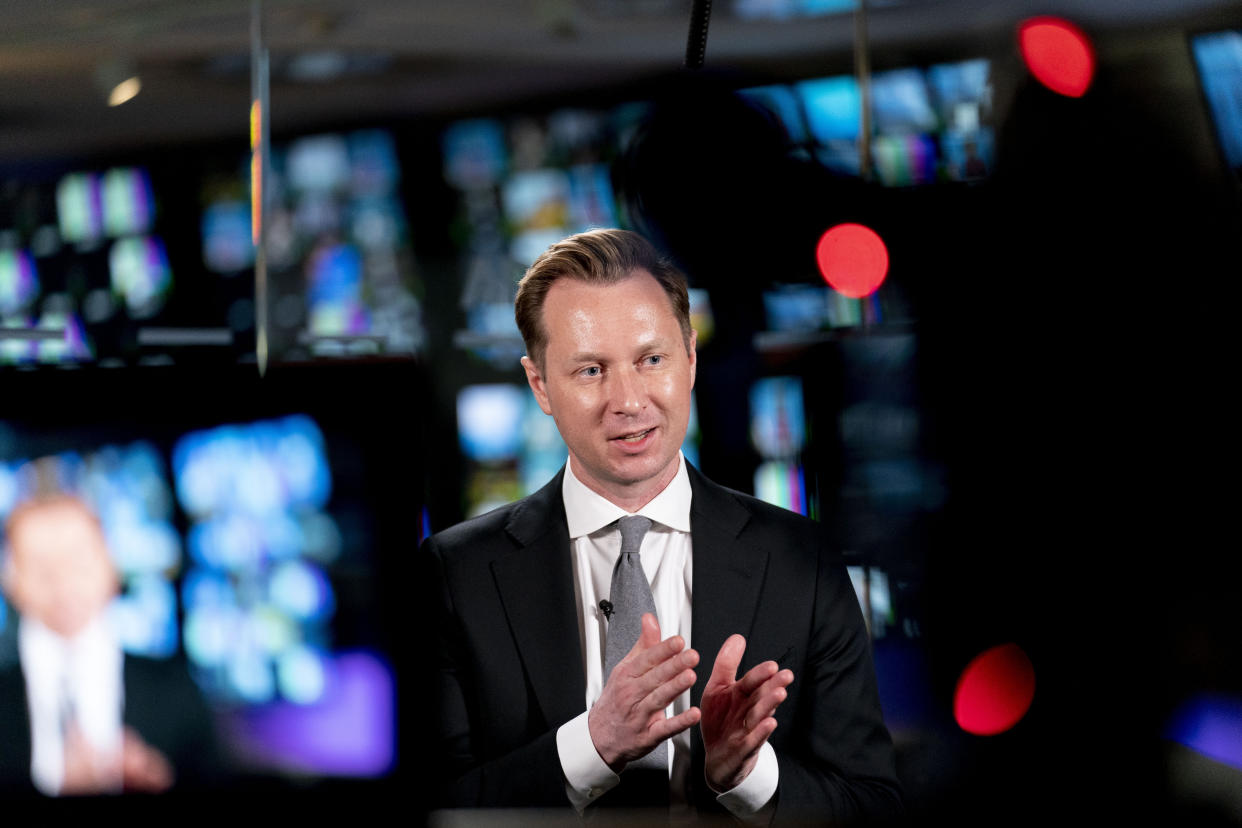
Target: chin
<point x="642" y="469"/>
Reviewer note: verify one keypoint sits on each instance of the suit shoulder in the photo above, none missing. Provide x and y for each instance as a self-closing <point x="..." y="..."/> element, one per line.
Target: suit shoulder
<point x="473" y="536"/>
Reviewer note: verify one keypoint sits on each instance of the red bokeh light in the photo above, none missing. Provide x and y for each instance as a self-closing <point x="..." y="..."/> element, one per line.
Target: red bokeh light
<point x="994" y="691"/>
<point x="1058" y="54"/>
<point x="852" y="259"/>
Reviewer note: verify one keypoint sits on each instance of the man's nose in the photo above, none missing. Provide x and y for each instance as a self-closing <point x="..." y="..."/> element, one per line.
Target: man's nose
<point x="629" y="395"/>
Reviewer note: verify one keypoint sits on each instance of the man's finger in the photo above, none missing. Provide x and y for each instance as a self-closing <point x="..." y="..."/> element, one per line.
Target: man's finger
<point x="756" y="676"/>
<point x="671" y="726"/>
<point x="669" y="668"/>
<point x="755" y="738"/>
<point x="765" y="705"/>
<point x="640" y="660"/>
<point x="724" y="670"/>
<point x="663" y="695"/>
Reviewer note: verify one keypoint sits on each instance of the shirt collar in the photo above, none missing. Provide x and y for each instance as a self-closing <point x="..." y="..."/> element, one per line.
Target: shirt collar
<point x="44" y="651"/>
<point x="588" y="512"/>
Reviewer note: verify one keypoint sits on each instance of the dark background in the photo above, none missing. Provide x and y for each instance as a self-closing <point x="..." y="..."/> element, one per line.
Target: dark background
<point x="1072" y="369"/>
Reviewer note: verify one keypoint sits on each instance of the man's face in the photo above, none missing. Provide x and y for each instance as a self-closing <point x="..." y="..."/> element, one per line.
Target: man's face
<point x="617" y="377"/>
<point x="59" y="570"/>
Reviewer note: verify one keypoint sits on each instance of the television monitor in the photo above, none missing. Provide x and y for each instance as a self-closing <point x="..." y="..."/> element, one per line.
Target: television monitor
<point x="802" y="308"/>
<point x="261" y="527"/>
<point x="1218" y="59"/>
<point x="874" y="597"/>
<point x="901" y="103"/>
<point x="783" y="484"/>
<point x="342" y="274"/>
<point x="962" y="95"/>
<point x="780" y="101"/>
<point x="786" y="9"/>
<point x="475" y="153"/>
<point x="490" y="421"/>
<point x="128" y="201"/>
<point x="19" y="281"/>
<point x="79" y="208"/>
<point x="777" y="417"/>
<point x="97" y="265"/>
<point x="524" y="180"/>
<point x="833" y="108"/>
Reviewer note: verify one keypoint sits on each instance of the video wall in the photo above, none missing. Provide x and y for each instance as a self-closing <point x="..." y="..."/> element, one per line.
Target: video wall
<point x="929" y="124"/>
<point x="150" y="260"/>
<point x="78" y="252"/>
<point x="344" y="281"/>
<point x="254" y="526"/>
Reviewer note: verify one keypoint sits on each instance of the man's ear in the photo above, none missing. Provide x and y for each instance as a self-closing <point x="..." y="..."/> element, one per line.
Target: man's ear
<point x="10" y="583"/>
<point x="693" y="354"/>
<point x="535" y="379"/>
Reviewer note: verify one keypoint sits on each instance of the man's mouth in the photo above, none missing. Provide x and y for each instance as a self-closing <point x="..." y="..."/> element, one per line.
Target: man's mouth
<point x="635" y="437"/>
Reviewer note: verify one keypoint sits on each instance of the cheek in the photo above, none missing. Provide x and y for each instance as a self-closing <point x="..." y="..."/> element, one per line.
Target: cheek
<point x="574" y="404"/>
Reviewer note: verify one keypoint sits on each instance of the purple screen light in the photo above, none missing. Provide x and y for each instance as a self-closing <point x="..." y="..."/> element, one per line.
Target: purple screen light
<point x="349" y="731"/>
<point x="1210" y="724"/>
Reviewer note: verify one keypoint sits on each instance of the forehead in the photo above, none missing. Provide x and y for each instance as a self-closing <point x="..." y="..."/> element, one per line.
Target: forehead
<point x="574" y="304"/>
<point x="53" y="523"/>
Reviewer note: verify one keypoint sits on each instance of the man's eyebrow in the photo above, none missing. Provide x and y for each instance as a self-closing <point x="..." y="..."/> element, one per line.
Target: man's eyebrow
<point x="585" y="356"/>
<point x="654" y="344"/>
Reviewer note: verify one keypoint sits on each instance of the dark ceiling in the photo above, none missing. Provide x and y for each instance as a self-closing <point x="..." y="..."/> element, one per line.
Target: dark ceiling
<point x="343" y="60"/>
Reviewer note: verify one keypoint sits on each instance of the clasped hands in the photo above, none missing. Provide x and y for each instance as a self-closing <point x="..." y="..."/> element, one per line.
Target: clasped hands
<point x="736" y="716"/>
<point x="137" y="767"/>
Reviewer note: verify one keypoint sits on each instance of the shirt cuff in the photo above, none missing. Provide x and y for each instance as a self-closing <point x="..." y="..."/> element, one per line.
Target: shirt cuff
<point x="754" y="799"/>
<point x="587" y="776"/>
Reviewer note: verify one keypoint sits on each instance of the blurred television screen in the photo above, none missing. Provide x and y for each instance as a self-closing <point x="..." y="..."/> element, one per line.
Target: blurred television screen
<point x="255" y="526"/>
<point x="342" y="272"/>
<point x="98" y="265"/>
<point x="524" y="181"/>
<point x="1218" y="58"/>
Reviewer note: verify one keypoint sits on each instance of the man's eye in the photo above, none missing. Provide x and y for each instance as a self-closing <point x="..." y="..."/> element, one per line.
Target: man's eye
<point x="592" y="371"/>
<point x="654" y="359"/>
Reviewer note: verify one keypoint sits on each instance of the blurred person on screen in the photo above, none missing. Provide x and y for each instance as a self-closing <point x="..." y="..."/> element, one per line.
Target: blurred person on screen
<point x="84" y="717"/>
<point x="779" y="720"/>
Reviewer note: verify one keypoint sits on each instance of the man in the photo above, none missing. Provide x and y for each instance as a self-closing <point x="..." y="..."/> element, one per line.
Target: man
<point x="85" y="718"/>
<point x="784" y="722"/>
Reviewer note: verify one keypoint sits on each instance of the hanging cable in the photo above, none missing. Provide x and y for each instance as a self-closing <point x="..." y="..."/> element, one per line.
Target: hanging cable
<point x="696" y="44"/>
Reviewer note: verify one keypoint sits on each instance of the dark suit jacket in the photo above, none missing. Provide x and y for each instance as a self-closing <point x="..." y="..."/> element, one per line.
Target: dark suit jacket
<point x="162" y="704"/>
<point x="510" y="662"/>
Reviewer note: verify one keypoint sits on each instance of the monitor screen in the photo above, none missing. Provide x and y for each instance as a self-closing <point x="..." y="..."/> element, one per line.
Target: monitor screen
<point x="256" y="526"/>
<point x="342" y="275"/>
<point x="1218" y="57"/>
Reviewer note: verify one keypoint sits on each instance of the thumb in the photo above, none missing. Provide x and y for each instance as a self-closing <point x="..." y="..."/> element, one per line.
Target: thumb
<point x="724" y="670"/>
<point x="650" y="634"/>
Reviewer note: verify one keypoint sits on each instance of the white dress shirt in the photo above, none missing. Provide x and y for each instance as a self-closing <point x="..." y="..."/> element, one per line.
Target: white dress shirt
<point x="667" y="561"/>
<point x="83" y="672"/>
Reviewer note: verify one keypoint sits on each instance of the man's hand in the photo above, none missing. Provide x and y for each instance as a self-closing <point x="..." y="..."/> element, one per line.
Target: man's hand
<point x="628" y="719"/>
<point x="139" y="768"/>
<point x="88" y="771"/>
<point x="737" y="714"/>
<point x="143" y="768"/>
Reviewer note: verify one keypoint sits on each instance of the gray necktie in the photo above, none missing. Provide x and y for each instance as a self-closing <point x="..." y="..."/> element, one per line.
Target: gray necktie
<point x="631" y="597"/>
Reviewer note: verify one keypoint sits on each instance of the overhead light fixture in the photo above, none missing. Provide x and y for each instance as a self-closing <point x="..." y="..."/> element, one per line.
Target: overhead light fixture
<point x="125" y="90"/>
<point x="119" y="81"/>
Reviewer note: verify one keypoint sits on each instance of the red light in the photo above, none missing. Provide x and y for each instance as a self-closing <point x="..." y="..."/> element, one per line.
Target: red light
<point x="994" y="691"/>
<point x="1058" y="54"/>
<point x="852" y="259"/>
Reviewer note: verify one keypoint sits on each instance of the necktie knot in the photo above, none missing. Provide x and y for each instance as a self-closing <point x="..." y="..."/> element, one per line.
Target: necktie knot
<point x="633" y="528"/>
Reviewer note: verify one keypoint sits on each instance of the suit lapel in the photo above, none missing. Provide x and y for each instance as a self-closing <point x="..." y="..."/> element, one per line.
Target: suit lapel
<point x="728" y="574"/>
<point x="536" y="586"/>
